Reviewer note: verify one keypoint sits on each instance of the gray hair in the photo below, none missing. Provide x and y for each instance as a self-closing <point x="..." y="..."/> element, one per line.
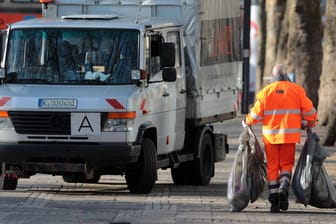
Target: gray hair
<point x="279" y="69"/>
<point x="279" y="73"/>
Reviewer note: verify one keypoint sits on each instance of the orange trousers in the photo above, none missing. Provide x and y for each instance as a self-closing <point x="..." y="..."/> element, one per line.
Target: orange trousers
<point x="280" y="158"/>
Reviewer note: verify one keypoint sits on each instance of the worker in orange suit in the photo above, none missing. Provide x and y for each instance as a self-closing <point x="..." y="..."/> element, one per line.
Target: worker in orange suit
<point x="284" y="109"/>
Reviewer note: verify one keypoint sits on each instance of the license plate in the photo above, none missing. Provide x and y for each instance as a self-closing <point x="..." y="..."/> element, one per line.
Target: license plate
<point x="57" y="103"/>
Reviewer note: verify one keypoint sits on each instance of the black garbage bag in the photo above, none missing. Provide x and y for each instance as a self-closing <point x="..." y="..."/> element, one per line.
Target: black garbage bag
<point x="319" y="191"/>
<point x="323" y="190"/>
<point x="302" y="177"/>
<point x="257" y="170"/>
<point x="247" y="178"/>
<point x="238" y="192"/>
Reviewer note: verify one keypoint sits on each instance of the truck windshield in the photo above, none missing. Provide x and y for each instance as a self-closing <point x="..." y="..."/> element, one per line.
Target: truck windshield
<point x="72" y="56"/>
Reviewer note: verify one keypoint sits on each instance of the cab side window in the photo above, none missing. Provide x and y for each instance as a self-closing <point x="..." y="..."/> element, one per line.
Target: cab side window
<point x="153" y="64"/>
<point x="174" y="37"/>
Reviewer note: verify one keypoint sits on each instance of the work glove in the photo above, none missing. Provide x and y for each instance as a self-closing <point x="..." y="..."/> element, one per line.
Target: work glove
<point x="304" y="125"/>
<point x="244" y="124"/>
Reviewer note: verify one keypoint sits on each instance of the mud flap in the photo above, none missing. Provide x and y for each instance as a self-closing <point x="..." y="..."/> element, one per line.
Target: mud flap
<point x="221" y="146"/>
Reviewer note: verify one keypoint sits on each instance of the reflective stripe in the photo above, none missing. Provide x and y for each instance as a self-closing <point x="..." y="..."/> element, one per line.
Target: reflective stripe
<point x="285" y="173"/>
<point x="313" y="111"/>
<point x="273" y="186"/>
<point x="286" y="111"/>
<point x="275" y="190"/>
<point x="254" y="116"/>
<point x="281" y="131"/>
<point x="285" y="176"/>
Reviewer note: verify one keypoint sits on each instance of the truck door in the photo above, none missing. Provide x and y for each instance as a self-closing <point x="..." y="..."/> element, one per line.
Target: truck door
<point x="180" y="88"/>
<point x="168" y="109"/>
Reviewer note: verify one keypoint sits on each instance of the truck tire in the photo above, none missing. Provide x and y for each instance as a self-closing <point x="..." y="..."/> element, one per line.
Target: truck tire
<point x="80" y="178"/>
<point x="141" y="176"/>
<point x="204" y="165"/>
<point x="7" y="182"/>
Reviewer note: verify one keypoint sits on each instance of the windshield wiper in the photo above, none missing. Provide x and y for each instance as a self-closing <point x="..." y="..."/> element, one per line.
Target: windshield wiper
<point x="86" y="81"/>
<point x="32" y="81"/>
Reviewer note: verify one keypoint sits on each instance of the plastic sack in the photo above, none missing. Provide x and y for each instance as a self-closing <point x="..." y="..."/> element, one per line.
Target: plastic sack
<point x="311" y="183"/>
<point x="238" y="192"/>
<point x="248" y="173"/>
<point x="302" y="177"/>
<point x="323" y="190"/>
<point x="257" y="170"/>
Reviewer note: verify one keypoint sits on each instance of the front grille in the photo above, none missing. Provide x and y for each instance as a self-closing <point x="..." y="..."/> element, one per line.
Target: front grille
<point x="45" y="123"/>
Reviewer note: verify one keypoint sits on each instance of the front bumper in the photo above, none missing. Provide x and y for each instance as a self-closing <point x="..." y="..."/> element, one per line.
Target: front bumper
<point x="93" y="154"/>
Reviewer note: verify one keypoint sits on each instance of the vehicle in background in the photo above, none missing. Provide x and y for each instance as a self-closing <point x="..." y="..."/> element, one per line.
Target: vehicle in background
<point x="15" y="10"/>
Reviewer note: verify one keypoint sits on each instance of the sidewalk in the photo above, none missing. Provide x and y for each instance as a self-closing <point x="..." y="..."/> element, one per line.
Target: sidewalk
<point x="47" y="199"/>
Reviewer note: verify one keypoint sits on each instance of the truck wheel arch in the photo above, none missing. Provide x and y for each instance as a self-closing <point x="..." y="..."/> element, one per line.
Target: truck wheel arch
<point x="147" y="130"/>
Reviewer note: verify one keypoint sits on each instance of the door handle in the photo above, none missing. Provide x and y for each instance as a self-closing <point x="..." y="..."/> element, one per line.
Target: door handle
<point x="182" y="91"/>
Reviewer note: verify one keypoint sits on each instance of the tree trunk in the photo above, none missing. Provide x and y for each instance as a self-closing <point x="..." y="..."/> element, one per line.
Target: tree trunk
<point x="275" y="12"/>
<point x="262" y="33"/>
<point x="293" y="38"/>
<point x="304" y="49"/>
<point x="327" y="91"/>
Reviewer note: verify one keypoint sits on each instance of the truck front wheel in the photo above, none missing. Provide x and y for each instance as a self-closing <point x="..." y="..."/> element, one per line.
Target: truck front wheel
<point x="141" y="176"/>
<point x="7" y="182"/>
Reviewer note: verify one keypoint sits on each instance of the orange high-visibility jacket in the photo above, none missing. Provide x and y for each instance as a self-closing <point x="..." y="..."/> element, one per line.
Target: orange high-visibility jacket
<point x="281" y="106"/>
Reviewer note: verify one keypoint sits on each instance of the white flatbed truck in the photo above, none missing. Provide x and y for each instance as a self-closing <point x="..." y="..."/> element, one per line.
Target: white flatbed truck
<point x="127" y="87"/>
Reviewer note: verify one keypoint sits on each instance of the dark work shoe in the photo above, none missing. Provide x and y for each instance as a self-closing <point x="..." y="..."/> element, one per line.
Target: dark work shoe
<point x="283" y="198"/>
<point x="275" y="207"/>
<point x="274" y="199"/>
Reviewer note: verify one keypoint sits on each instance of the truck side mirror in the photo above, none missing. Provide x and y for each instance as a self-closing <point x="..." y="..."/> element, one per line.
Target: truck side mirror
<point x="139" y="77"/>
<point x="167" y="55"/>
<point x="169" y="74"/>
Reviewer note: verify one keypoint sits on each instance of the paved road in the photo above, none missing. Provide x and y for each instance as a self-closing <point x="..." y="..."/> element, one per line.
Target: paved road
<point x="47" y="199"/>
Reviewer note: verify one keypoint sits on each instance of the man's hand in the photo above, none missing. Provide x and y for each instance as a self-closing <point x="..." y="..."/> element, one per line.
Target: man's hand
<point x="244" y="124"/>
<point x="304" y="125"/>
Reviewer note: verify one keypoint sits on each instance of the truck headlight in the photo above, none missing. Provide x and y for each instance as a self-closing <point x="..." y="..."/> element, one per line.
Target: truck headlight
<point x="119" y="122"/>
<point x="5" y="122"/>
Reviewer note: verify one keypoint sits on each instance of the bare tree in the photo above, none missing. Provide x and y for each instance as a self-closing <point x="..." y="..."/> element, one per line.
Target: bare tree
<point x="304" y="48"/>
<point x="270" y="27"/>
<point x="293" y="35"/>
<point x="327" y="91"/>
<point x="262" y="31"/>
